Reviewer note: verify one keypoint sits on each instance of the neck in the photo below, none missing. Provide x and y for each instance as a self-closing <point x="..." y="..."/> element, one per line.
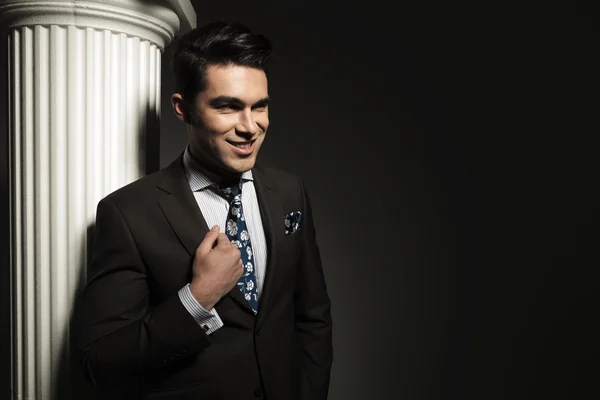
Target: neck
<point x="214" y="172"/>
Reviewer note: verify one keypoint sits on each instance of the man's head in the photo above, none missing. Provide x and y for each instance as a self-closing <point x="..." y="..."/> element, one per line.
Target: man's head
<point x="222" y="94"/>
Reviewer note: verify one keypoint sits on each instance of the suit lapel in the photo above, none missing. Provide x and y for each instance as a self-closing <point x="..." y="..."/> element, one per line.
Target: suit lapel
<point x="266" y="192"/>
<point x="182" y="211"/>
<point x="180" y="207"/>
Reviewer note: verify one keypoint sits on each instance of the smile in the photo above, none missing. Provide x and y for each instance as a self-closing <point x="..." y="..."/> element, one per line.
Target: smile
<point x="243" y="148"/>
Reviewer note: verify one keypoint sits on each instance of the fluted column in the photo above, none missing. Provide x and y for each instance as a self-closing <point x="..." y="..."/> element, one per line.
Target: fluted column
<point x="83" y="100"/>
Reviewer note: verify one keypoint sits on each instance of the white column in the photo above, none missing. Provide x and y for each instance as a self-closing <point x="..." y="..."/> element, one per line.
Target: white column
<point x="83" y="94"/>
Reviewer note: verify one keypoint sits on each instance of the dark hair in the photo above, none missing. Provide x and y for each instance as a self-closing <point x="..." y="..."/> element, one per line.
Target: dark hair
<point x="216" y="43"/>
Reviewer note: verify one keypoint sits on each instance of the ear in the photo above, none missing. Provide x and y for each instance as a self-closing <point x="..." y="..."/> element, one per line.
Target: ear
<point x="179" y="107"/>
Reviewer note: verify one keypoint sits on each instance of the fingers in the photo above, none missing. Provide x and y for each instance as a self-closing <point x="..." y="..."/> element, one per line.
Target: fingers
<point x="223" y="241"/>
<point x="209" y="241"/>
<point x="216" y="239"/>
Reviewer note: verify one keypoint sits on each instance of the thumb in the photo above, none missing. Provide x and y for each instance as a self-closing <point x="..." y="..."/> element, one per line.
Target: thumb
<point x="209" y="241"/>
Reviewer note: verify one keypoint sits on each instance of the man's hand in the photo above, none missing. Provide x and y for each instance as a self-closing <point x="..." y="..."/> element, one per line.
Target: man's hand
<point x="217" y="268"/>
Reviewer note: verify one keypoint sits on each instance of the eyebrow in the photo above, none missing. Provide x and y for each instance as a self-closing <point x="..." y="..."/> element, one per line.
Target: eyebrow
<point x="217" y="101"/>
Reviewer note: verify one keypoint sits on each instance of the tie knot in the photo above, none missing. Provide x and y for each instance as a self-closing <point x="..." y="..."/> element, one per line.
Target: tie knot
<point x="230" y="190"/>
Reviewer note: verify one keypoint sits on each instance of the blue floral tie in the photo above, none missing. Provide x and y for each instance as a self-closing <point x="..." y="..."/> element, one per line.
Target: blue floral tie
<point x="237" y="232"/>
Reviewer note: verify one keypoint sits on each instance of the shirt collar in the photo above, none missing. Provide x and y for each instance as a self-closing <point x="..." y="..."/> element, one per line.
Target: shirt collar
<point x="196" y="179"/>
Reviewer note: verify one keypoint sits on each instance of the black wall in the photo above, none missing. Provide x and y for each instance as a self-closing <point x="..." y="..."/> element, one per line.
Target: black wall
<point x="447" y="151"/>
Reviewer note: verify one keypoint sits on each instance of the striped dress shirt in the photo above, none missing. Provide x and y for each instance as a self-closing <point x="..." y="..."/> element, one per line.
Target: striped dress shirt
<point x="215" y="209"/>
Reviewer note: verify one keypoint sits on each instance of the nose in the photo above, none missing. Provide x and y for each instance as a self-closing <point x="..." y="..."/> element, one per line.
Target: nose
<point x="247" y="124"/>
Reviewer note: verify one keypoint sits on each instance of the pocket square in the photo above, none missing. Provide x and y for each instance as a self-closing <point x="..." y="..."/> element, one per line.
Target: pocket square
<point x="292" y="222"/>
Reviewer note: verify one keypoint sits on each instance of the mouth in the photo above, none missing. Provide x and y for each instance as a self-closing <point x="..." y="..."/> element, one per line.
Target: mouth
<point x="243" y="148"/>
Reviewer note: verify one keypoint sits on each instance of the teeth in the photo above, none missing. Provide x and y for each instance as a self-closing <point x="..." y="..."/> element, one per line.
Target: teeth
<point x="243" y="146"/>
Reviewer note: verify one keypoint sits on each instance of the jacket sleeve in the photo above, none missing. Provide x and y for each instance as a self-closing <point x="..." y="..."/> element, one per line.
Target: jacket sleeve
<point x="313" y="313"/>
<point x="119" y="334"/>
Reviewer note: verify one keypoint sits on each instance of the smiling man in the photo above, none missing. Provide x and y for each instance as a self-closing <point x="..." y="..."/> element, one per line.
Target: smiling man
<point x="228" y="119"/>
<point x="174" y="309"/>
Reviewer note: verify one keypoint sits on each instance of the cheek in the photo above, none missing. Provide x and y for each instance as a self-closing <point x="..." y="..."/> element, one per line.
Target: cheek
<point x="263" y="125"/>
<point x="216" y="130"/>
<point x="216" y="142"/>
<point x="218" y="123"/>
<point x="263" y="119"/>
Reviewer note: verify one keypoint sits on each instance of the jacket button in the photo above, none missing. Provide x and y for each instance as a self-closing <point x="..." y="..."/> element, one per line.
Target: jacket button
<point x="258" y="332"/>
<point x="258" y="392"/>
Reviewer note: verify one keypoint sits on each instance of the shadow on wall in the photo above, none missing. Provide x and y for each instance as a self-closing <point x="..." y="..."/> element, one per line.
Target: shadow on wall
<point x="173" y="136"/>
<point x="71" y="382"/>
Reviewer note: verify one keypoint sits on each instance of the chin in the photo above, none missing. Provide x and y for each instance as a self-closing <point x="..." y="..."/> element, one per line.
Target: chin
<point x="241" y="167"/>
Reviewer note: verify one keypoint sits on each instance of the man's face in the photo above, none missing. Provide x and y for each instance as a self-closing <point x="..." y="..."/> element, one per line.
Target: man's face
<point x="231" y="120"/>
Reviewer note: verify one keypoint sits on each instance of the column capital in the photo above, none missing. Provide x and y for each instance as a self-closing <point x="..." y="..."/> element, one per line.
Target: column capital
<point x="153" y="20"/>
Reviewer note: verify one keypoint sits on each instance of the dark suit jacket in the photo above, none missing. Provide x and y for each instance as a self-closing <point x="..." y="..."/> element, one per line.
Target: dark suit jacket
<point x="134" y="330"/>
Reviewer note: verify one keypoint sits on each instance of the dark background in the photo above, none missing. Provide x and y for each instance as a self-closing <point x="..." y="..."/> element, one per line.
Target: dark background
<point x="448" y="153"/>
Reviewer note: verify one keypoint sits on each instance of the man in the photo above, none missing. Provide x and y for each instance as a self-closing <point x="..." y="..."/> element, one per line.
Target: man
<point x="180" y="311"/>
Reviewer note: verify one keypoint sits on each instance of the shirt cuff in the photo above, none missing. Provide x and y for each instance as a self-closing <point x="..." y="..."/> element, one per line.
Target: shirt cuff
<point x="208" y="320"/>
